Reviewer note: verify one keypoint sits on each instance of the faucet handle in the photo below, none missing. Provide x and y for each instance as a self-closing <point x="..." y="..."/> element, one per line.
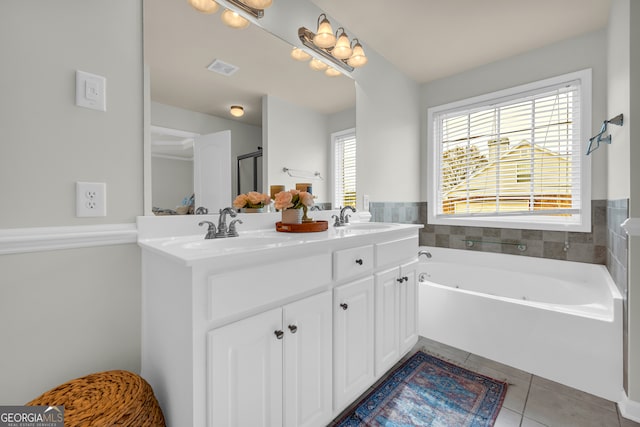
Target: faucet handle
<point x="346" y="218"/>
<point x="211" y="230"/>
<point x="232" y="228"/>
<point x="337" y="221"/>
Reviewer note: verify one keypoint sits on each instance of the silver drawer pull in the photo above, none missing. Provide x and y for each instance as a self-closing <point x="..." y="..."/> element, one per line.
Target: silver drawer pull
<point x="359" y="261"/>
<point x="344" y="306"/>
<point x="279" y="334"/>
<point x="293" y="329"/>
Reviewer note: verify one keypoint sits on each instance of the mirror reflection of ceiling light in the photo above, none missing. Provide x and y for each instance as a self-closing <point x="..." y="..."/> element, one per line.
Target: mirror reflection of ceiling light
<point x="236" y="111"/>
<point x="258" y="4"/>
<point x="317" y="65"/>
<point x="332" y="72"/>
<point x="205" y="6"/>
<point x="334" y="50"/>
<point x="234" y="20"/>
<point x="299" y="54"/>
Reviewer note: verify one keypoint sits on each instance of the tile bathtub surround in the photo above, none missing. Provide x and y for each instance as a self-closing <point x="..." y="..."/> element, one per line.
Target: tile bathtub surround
<point x="583" y="247"/>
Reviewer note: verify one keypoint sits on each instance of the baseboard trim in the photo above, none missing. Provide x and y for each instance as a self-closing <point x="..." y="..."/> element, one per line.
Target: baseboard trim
<point x="629" y="409"/>
<point x="38" y="239"/>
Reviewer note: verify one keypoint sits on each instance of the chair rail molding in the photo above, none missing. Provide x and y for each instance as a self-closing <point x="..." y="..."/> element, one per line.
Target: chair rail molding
<point x="38" y="239"/>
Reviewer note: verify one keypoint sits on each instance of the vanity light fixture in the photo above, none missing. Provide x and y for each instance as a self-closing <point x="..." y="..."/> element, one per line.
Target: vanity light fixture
<point x="332" y="72"/>
<point x="333" y="49"/>
<point x="236" y="111"/>
<point x="317" y="65"/>
<point x="258" y="4"/>
<point x="236" y="11"/>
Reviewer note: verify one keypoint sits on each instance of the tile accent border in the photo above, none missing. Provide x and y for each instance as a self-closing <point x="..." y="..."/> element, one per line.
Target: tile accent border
<point x="571" y="246"/>
<point x="38" y="239"/>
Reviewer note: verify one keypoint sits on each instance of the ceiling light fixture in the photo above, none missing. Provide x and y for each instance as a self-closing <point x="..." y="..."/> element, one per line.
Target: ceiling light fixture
<point x="236" y="111"/>
<point x="333" y="49"/>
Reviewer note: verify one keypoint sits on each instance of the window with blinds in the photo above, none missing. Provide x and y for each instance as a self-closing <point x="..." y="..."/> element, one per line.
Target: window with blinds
<point x="344" y="168"/>
<point x="516" y="153"/>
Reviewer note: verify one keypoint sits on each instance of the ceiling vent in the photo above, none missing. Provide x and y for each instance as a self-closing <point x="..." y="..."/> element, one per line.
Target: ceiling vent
<point x="222" y="67"/>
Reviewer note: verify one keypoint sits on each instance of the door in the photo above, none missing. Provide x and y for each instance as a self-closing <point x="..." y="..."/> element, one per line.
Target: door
<point x="408" y="302"/>
<point x="386" y="323"/>
<point x="307" y="361"/>
<point x="245" y="372"/>
<point x="212" y="170"/>
<point x="353" y="340"/>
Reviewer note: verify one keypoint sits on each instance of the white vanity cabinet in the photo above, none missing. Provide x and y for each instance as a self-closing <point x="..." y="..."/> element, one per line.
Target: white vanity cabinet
<point x="395" y="314"/>
<point x="273" y="369"/>
<point x="287" y="335"/>
<point x="353" y="336"/>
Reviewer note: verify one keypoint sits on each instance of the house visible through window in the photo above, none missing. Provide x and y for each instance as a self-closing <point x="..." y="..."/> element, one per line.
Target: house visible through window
<point x="516" y="153"/>
<point x="344" y="168"/>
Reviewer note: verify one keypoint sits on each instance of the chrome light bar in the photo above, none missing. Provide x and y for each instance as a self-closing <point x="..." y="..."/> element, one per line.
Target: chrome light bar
<point x="306" y="37"/>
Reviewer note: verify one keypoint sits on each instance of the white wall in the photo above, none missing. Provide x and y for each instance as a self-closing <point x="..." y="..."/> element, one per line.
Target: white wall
<point x="172" y="181"/>
<point x="67" y="313"/>
<point x="388" y="133"/>
<point x="244" y="138"/>
<point x="296" y="138"/>
<point x="588" y="51"/>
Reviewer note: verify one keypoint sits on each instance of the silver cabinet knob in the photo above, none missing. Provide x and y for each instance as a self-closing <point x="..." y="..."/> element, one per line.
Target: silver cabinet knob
<point x="293" y="329"/>
<point x="279" y="334"/>
<point x="344" y="306"/>
<point x="359" y="261"/>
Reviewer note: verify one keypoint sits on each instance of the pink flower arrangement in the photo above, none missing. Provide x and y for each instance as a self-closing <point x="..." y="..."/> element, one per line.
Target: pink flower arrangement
<point x="252" y="199"/>
<point x="293" y="199"/>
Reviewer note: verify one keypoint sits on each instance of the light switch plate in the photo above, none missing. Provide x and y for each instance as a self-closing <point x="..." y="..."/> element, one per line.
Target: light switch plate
<point x="91" y="91"/>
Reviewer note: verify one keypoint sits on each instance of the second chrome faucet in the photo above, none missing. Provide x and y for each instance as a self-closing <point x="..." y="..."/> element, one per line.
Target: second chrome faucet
<point x="222" y="230"/>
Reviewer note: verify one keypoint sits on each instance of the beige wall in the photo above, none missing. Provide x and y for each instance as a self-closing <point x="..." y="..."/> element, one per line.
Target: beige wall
<point x="67" y="313"/>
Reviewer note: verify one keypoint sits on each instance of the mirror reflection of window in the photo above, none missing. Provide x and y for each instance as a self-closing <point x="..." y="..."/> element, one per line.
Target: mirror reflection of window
<point x="344" y="168"/>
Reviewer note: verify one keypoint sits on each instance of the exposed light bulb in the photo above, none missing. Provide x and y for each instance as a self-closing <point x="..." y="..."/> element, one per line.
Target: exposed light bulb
<point x="324" y="37"/>
<point x="234" y="20"/>
<point x="258" y="4"/>
<point x="317" y="65"/>
<point x="204" y="6"/>
<point x="236" y="111"/>
<point x="299" y="54"/>
<point x="342" y="49"/>
<point x="358" y="58"/>
<point x="332" y="72"/>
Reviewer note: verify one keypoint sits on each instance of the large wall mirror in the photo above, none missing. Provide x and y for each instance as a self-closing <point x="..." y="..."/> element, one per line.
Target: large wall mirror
<point x="188" y="100"/>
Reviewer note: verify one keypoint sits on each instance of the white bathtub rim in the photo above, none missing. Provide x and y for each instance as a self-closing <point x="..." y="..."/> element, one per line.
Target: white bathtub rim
<point x="605" y="314"/>
<point x="629" y="409"/>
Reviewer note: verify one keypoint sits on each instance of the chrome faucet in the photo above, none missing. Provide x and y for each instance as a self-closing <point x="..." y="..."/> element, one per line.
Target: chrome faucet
<point x="425" y="253"/>
<point x="222" y="221"/>
<point x="343" y="219"/>
<point x="211" y="231"/>
<point x="232" y="232"/>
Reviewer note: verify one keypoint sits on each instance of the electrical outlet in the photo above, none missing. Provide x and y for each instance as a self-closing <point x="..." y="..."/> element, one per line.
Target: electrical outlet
<point x="91" y="199"/>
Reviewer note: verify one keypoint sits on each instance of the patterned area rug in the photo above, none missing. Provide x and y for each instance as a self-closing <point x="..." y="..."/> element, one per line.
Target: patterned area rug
<point x="427" y="391"/>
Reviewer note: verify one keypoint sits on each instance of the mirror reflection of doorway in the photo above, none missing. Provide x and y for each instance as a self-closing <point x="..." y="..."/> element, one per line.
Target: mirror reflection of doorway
<point x="249" y="175"/>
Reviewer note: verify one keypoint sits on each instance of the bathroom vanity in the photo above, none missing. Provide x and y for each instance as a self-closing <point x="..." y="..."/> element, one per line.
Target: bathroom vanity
<point x="269" y="328"/>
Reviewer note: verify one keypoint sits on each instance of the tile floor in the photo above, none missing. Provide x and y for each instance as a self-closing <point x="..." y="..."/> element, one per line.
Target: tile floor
<point x="532" y="401"/>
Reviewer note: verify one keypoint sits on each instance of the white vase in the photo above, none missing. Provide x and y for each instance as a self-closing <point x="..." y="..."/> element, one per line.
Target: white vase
<point x="253" y="210"/>
<point x="292" y="216"/>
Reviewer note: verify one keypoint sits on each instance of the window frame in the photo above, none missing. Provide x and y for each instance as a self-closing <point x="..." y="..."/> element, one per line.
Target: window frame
<point x="532" y="222"/>
<point x="335" y="136"/>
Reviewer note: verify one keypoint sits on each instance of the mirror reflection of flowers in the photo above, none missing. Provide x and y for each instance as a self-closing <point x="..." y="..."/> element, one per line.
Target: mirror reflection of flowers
<point x="294" y="199"/>
<point x="252" y="200"/>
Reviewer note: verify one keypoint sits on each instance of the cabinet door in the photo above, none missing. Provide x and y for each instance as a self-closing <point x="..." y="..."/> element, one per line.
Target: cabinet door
<point x="307" y="361"/>
<point x="245" y="372"/>
<point x="353" y="340"/>
<point x="408" y="302"/>
<point x="386" y="323"/>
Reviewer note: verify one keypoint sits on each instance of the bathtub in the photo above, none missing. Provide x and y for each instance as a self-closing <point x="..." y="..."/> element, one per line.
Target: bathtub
<point x="559" y="320"/>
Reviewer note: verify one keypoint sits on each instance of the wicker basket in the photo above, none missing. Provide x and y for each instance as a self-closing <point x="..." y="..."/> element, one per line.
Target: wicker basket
<point x="112" y="398"/>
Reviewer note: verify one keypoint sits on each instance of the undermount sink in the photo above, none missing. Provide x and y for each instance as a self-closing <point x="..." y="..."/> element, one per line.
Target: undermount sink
<point x="233" y="243"/>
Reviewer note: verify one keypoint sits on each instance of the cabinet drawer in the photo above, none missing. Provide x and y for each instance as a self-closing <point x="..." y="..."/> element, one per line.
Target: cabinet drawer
<point x="352" y="262"/>
<point x="250" y="288"/>
<point x="396" y="251"/>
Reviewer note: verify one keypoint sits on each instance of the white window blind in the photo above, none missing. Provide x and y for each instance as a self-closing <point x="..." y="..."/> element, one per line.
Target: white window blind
<point x="513" y="155"/>
<point x="344" y="173"/>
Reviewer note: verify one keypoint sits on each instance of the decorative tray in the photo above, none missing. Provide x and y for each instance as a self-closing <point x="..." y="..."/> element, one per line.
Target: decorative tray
<point x="305" y="227"/>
